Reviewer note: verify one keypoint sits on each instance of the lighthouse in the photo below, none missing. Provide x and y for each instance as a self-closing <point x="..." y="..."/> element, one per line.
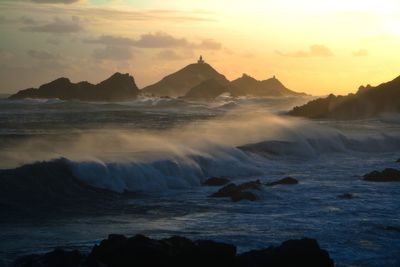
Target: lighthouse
<point x="201" y="60"/>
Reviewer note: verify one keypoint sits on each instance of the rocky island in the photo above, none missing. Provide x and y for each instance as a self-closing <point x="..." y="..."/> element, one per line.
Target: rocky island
<point x="119" y="87"/>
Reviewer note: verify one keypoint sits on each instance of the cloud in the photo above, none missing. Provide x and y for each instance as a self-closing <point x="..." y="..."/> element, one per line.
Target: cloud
<point x="41" y="55"/>
<point x="57" y="26"/>
<point x="160" y="40"/>
<point x="27" y="20"/>
<point x="104" y="14"/>
<point x="112" y="40"/>
<point x="54" y="1"/>
<point x="115" y="53"/>
<point x="53" y="41"/>
<point x="210" y="44"/>
<point x="360" y="53"/>
<point x="315" y="50"/>
<point x="155" y="40"/>
<point x="169" y="55"/>
<point x="6" y="55"/>
<point x="248" y="55"/>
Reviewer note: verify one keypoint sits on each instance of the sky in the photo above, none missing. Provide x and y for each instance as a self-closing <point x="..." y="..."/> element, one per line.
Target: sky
<point x="313" y="46"/>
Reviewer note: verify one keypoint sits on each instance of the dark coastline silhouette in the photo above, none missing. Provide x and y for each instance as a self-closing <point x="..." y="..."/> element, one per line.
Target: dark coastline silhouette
<point x="369" y="101"/>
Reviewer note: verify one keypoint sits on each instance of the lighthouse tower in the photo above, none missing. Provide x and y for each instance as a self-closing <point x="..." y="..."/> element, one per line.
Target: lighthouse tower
<point x="201" y="60"/>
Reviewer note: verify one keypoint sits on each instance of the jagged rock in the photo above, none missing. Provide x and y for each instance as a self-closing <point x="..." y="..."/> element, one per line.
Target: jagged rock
<point x="216" y="181"/>
<point x="119" y="87"/>
<point x="247" y="85"/>
<point x="304" y="252"/>
<point x="387" y="175"/>
<point x="226" y="191"/>
<point x="284" y="181"/>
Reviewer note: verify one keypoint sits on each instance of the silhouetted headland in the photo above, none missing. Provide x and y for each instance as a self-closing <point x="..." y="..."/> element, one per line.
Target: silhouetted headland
<point x="369" y="101"/>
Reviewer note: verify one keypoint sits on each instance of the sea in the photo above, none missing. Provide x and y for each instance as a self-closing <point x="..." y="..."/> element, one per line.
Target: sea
<point x="73" y="172"/>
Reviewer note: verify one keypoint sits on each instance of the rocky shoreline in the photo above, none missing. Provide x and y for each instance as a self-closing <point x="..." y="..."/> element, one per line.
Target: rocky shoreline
<point x="139" y="250"/>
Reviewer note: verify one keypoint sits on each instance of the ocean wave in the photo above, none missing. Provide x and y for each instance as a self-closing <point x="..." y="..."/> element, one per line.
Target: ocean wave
<point x="312" y="146"/>
<point x="65" y="183"/>
<point x="44" y="186"/>
<point x="33" y="101"/>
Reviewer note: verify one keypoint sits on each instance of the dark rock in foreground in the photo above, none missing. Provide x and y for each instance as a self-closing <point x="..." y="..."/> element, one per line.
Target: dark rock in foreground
<point x="139" y="250"/>
<point x="119" y="87"/>
<point x="226" y="191"/>
<point x="216" y="181"/>
<point x="253" y="185"/>
<point x="56" y="258"/>
<point x="239" y="192"/>
<point x="120" y="251"/>
<point x="387" y="175"/>
<point x="293" y="253"/>
<point x="284" y="181"/>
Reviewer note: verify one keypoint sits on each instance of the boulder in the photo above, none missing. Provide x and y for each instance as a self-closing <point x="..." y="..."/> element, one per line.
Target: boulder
<point x="119" y="251"/>
<point x="226" y="191"/>
<point x="303" y="252"/>
<point x="253" y="185"/>
<point x="387" y="175"/>
<point x="216" y="181"/>
<point x="284" y="181"/>
<point x="239" y="192"/>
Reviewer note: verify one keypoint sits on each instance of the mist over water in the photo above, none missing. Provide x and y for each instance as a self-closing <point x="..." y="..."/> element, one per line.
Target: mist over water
<point x="161" y="150"/>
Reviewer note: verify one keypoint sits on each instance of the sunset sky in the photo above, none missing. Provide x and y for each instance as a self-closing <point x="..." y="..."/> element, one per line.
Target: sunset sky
<point x="313" y="46"/>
